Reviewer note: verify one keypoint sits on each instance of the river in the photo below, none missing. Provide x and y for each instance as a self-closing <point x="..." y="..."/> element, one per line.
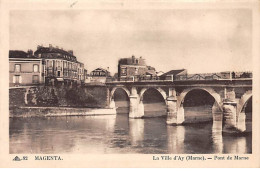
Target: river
<point x="117" y="134"/>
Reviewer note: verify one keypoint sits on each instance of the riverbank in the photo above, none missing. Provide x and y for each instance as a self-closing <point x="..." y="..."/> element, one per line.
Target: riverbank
<point x="58" y="111"/>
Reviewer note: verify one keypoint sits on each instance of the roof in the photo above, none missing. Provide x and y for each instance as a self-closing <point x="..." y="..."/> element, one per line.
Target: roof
<point x="52" y="50"/>
<point x="19" y="54"/>
<point x="173" y="72"/>
<point x="132" y="61"/>
<point x="101" y="69"/>
<point x="159" y="73"/>
<point x="150" y="68"/>
<point x="150" y="72"/>
<point x="44" y="50"/>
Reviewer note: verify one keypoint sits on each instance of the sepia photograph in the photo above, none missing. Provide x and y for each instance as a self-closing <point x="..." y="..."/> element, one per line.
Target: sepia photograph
<point x="173" y="83"/>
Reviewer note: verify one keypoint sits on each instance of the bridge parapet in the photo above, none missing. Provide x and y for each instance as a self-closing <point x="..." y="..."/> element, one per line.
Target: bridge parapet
<point x="187" y="77"/>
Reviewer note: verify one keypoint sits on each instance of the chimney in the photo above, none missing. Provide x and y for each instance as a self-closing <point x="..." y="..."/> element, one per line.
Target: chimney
<point x="133" y="59"/>
<point x="50" y="46"/>
<point x="39" y="47"/>
<point x="30" y="53"/>
<point x="70" y="52"/>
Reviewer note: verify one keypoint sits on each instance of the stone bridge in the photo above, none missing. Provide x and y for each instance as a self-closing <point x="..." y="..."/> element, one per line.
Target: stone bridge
<point x="231" y="97"/>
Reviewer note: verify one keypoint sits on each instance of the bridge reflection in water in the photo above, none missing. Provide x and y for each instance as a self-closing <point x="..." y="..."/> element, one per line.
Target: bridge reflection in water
<point x="119" y="134"/>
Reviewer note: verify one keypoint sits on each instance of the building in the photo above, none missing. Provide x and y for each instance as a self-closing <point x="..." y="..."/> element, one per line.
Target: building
<point x="81" y="72"/>
<point x="25" y="69"/>
<point x="48" y="65"/>
<point x="174" y="75"/>
<point x="99" y="75"/>
<point x="134" y="68"/>
<point x="60" y="65"/>
<point x="159" y="73"/>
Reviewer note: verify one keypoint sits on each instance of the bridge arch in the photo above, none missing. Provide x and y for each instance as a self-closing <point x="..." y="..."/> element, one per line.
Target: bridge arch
<point x="243" y="101"/>
<point x="115" y="88"/>
<point x="211" y="91"/>
<point x="244" y="120"/>
<point x="160" y="90"/>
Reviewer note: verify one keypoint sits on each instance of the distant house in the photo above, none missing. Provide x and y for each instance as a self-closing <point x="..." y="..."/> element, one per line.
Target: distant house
<point x="99" y="75"/>
<point x="87" y="77"/>
<point x="134" y="68"/>
<point x="174" y="74"/>
<point x="226" y="75"/>
<point x="150" y="74"/>
<point x="25" y="68"/>
<point x="159" y="73"/>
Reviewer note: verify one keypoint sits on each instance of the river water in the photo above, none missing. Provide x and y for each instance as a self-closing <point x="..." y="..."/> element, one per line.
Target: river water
<point x="117" y="134"/>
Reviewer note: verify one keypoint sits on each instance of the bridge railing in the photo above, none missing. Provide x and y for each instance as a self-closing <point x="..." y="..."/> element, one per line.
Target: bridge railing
<point x="139" y="79"/>
<point x="185" y="77"/>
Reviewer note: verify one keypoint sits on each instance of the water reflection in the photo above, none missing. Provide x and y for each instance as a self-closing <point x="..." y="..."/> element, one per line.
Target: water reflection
<point x="237" y="145"/>
<point x="136" y="131"/>
<point x="176" y="139"/>
<point x="119" y="134"/>
<point x="217" y="137"/>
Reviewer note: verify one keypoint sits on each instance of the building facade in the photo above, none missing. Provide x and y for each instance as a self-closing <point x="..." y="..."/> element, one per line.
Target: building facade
<point x="133" y="68"/>
<point x="99" y="75"/>
<point x="25" y="69"/>
<point x="48" y="65"/>
<point x="60" y="65"/>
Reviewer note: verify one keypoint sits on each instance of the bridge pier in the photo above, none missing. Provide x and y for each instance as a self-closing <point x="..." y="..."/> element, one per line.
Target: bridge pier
<point x="136" y="106"/>
<point x="112" y="104"/>
<point x="241" y="122"/>
<point x="174" y="116"/>
<point x="229" y="114"/>
<point x="141" y="109"/>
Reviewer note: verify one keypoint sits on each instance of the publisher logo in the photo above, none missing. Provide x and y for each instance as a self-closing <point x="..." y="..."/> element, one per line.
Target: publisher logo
<point x="17" y="158"/>
<point x="20" y="159"/>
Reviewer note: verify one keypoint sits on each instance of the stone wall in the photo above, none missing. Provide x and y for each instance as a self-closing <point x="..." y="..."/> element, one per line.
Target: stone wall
<point x="46" y="96"/>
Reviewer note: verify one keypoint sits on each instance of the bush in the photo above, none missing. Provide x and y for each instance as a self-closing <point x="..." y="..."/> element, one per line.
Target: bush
<point x="78" y="97"/>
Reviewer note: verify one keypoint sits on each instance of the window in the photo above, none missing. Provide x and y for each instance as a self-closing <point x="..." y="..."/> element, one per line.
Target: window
<point x="17" y="79"/>
<point x="17" y="68"/>
<point x="50" y="63"/>
<point x="136" y="70"/>
<point x="35" y="68"/>
<point x="123" y="71"/>
<point x="58" y="73"/>
<point x="35" y="79"/>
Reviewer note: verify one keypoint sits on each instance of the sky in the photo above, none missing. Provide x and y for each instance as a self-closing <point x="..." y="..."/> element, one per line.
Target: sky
<point x="201" y="41"/>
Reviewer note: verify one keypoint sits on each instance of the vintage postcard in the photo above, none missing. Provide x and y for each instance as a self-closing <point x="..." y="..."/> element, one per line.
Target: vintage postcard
<point x="129" y="83"/>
